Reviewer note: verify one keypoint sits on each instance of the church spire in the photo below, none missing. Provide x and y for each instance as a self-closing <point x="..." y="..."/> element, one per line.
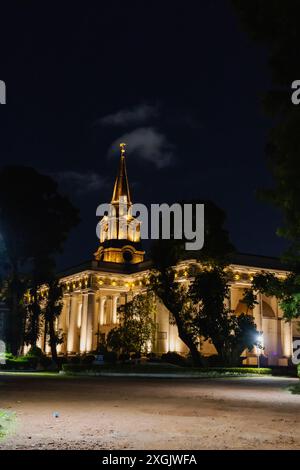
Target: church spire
<point x="120" y="231"/>
<point x="121" y="187"/>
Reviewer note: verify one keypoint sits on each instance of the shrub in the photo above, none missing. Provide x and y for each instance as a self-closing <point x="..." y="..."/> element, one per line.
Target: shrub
<point x="74" y="368"/>
<point x="135" y="356"/>
<point x="213" y="361"/>
<point x="284" y="371"/>
<point x="45" y="361"/>
<point x="101" y="349"/>
<point x="298" y="370"/>
<point x="173" y="357"/>
<point x="237" y="370"/>
<point x="74" y="360"/>
<point x="8" y="356"/>
<point x="110" y="357"/>
<point x="151" y="356"/>
<point x="87" y="359"/>
<point x="61" y="360"/>
<point x="20" y="363"/>
<point x="124" y="357"/>
<point x="35" y="351"/>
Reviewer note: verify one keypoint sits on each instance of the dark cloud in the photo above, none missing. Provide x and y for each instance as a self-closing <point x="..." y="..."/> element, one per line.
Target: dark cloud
<point x="78" y="182"/>
<point x="135" y="115"/>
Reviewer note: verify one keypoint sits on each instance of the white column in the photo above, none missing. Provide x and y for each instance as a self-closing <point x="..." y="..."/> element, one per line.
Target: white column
<point x="114" y="308"/>
<point x="101" y="310"/>
<point x="64" y="325"/>
<point x="89" y="323"/>
<point x="83" y="328"/>
<point x="72" y="332"/>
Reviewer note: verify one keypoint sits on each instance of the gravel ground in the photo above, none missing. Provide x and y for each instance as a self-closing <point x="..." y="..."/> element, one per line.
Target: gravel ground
<point x="136" y="413"/>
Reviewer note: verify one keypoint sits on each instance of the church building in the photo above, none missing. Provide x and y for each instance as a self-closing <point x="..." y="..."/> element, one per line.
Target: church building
<point x="94" y="290"/>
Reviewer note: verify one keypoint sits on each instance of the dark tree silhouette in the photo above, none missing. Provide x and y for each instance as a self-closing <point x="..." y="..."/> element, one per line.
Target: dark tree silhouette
<point x="276" y="26"/>
<point x="35" y="221"/>
<point x="166" y="253"/>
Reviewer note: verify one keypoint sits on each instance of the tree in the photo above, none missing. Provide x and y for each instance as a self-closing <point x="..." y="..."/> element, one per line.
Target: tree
<point x="52" y="309"/>
<point x="276" y="25"/>
<point x="287" y="291"/>
<point x="32" y="321"/>
<point x="137" y="325"/>
<point x="229" y="333"/>
<point x="12" y="292"/>
<point x="34" y="223"/>
<point x="176" y="297"/>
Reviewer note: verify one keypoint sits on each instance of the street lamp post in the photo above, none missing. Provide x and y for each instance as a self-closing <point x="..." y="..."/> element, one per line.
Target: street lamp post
<point x="259" y="346"/>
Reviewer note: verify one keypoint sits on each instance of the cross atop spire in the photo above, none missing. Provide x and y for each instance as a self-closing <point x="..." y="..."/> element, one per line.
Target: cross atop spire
<point x="121" y="187"/>
<point x="122" y="147"/>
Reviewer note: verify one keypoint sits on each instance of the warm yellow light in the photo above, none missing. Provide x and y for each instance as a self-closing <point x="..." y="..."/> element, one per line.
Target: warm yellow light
<point x="100" y="282"/>
<point x="237" y="277"/>
<point x="113" y="283"/>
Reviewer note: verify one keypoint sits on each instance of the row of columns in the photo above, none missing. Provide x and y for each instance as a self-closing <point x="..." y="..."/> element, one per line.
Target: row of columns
<point x="81" y="317"/>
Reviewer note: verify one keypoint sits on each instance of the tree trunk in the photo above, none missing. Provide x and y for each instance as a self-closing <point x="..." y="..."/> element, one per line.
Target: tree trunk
<point x="15" y="330"/>
<point x="188" y="339"/>
<point x="52" y="340"/>
<point x="189" y="342"/>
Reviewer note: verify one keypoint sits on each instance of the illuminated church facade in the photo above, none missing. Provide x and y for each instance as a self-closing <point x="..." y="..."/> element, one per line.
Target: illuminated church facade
<point x="94" y="290"/>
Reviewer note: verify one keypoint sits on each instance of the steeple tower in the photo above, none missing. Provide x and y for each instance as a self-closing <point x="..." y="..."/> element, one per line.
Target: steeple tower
<point x="120" y="237"/>
<point x="121" y="187"/>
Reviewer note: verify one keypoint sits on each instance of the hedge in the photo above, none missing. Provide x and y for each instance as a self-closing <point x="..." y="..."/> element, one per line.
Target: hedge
<point x="237" y="370"/>
<point x="144" y="368"/>
<point x="20" y="364"/>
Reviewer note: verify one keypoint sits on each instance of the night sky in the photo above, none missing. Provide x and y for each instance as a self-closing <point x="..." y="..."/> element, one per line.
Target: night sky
<point x="180" y="82"/>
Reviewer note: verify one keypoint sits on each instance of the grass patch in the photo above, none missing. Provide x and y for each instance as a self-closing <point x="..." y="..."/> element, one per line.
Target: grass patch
<point x="7" y="419"/>
<point x="295" y="389"/>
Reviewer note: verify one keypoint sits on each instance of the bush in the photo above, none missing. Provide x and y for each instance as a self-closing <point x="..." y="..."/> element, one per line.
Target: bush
<point x="173" y="357"/>
<point x="61" y="360"/>
<point x="110" y="357"/>
<point x="152" y="357"/>
<point x="34" y="351"/>
<point x="87" y="359"/>
<point x="213" y="361"/>
<point x="20" y="363"/>
<point x="96" y="369"/>
<point x="135" y="356"/>
<point x="8" y="355"/>
<point x="284" y="371"/>
<point x="75" y="368"/>
<point x="237" y="370"/>
<point x="45" y="361"/>
<point x="101" y="349"/>
<point x="74" y="360"/>
<point x="298" y="370"/>
<point x="124" y="357"/>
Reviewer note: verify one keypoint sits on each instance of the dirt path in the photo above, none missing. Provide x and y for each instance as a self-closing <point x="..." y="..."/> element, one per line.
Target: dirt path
<point x="111" y="413"/>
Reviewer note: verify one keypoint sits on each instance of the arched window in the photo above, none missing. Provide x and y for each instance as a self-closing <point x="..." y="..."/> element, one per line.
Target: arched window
<point x="267" y="310"/>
